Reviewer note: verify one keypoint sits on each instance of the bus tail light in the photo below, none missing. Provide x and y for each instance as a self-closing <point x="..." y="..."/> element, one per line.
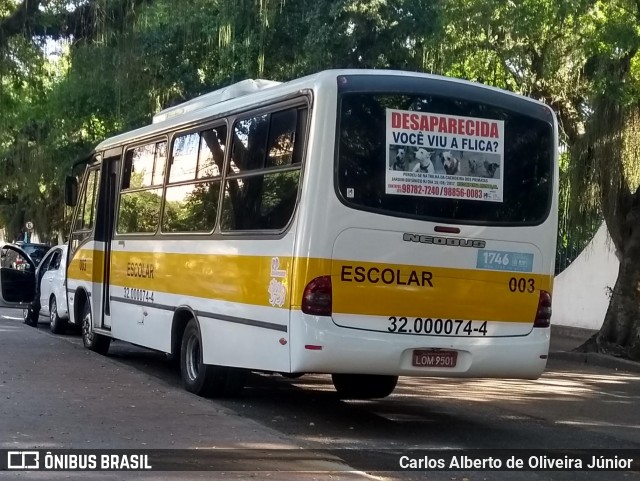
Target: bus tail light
<point x="317" y="297"/>
<point x="543" y="315"/>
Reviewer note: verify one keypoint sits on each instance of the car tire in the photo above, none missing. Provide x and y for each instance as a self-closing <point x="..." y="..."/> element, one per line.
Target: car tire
<point x="30" y="316"/>
<point x="205" y="379"/>
<point x="92" y="340"/>
<point x="58" y="325"/>
<point x="363" y="386"/>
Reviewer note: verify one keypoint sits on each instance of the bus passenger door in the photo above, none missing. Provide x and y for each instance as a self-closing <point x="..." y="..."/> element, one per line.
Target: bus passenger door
<point x="111" y="172"/>
<point x="83" y="261"/>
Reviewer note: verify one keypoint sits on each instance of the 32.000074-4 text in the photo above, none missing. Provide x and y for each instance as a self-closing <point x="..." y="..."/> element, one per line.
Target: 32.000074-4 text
<point x="447" y="327"/>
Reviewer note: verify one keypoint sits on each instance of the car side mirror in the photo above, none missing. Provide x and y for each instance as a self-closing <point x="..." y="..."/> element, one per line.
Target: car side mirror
<point x="70" y="191"/>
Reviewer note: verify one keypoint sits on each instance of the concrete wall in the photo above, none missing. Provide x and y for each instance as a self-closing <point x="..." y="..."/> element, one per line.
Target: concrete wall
<point x="580" y="297"/>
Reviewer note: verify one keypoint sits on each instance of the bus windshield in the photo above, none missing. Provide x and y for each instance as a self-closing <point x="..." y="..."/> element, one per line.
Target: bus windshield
<point x="497" y="171"/>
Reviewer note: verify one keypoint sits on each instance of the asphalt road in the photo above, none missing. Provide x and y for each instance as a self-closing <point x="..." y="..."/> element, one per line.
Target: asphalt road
<point x="55" y="394"/>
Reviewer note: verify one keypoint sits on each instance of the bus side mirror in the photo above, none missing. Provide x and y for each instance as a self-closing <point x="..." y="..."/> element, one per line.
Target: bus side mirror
<point x="70" y="191"/>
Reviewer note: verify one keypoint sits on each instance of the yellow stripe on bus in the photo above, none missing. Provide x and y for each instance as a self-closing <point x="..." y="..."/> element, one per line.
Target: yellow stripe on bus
<point x="87" y="265"/>
<point x="420" y="291"/>
<point x="233" y="278"/>
<point x="365" y="288"/>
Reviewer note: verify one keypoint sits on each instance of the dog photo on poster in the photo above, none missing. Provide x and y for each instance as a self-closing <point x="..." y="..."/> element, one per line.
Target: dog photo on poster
<point x="446" y="156"/>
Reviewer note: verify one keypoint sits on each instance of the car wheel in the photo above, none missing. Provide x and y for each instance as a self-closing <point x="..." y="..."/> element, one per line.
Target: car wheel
<point x="57" y="326"/>
<point x="92" y="340"/>
<point x="204" y="379"/>
<point x="30" y="316"/>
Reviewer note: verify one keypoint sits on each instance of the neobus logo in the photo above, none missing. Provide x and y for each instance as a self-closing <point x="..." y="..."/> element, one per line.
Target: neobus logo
<point x="444" y="241"/>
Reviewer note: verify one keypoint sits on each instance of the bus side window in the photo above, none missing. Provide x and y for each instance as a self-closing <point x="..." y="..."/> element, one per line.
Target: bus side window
<point x="141" y="194"/>
<point x="144" y="166"/>
<point x="191" y="196"/>
<point x="88" y="202"/>
<point x="282" y="139"/>
<point x="212" y="148"/>
<point x="262" y="186"/>
<point x="214" y="140"/>
<point x="249" y="143"/>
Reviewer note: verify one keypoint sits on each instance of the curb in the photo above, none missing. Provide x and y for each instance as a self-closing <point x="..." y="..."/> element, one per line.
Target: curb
<point x="596" y="359"/>
<point x="572" y="332"/>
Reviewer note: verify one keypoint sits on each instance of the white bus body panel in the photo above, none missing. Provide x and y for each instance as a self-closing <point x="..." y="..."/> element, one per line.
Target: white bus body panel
<point x="233" y="333"/>
<point x="331" y="230"/>
<point x="365" y="352"/>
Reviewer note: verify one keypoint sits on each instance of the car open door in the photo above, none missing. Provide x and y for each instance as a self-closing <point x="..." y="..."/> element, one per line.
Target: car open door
<point x="17" y="282"/>
<point x="44" y="280"/>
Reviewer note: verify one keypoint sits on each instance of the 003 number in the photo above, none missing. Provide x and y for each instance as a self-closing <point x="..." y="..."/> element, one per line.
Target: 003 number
<point x="521" y="284"/>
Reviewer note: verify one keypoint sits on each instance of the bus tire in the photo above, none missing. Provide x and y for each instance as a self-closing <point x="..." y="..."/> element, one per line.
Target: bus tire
<point x="57" y="326"/>
<point x="363" y="386"/>
<point x="205" y="379"/>
<point x="91" y="340"/>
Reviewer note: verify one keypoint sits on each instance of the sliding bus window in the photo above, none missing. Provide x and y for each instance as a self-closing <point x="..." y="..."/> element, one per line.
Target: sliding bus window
<point x="191" y="196"/>
<point x="262" y="182"/>
<point x="86" y="213"/>
<point x="141" y="193"/>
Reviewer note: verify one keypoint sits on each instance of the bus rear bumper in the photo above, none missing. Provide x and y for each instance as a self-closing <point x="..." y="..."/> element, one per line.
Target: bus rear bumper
<point x="318" y="345"/>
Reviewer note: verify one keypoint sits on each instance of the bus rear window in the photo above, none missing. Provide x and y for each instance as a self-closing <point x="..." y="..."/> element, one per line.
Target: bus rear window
<point x="443" y="159"/>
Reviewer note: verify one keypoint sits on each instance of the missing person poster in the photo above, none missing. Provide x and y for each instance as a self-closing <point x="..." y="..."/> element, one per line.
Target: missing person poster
<point x="446" y="156"/>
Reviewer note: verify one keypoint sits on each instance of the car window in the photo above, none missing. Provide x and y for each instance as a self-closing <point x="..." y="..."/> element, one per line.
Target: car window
<point x="36" y="252"/>
<point x="54" y="265"/>
<point x="44" y="264"/>
<point x="6" y="257"/>
<point x="13" y="260"/>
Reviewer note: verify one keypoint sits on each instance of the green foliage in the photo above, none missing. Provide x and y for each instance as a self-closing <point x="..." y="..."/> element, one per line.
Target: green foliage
<point x="140" y="56"/>
<point x="196" y="212"/>
<point x="534" y="47"/>
<point x="139" y="211"/>
<point x="120" y="61"/>
<point x="606" y="165"/>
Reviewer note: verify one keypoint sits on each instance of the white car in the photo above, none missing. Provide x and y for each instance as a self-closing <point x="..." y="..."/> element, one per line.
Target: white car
<point x="51" y="291"/>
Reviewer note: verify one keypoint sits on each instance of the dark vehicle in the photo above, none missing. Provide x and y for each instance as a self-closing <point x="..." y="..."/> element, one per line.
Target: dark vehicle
<point x="35" y="251"/>
<point x="17" y="271"/>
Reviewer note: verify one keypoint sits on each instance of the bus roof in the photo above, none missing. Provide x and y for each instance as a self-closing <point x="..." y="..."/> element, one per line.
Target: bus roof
<point x="255" y="92"/>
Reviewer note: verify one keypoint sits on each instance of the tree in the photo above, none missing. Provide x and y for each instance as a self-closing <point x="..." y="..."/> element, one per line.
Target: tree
<point x="580" y="57"/>
<point x="123" y="60"/>
<point x="533" y="47"/>
<point x="607" y="165"/>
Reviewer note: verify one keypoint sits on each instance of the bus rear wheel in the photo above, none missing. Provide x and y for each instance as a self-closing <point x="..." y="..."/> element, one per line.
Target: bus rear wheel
<point x="363" y="386"/>
<point x="205" y="379"/>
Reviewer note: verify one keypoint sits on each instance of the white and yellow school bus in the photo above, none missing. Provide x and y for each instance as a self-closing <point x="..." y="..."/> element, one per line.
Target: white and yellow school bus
<point x="364" y="224"/>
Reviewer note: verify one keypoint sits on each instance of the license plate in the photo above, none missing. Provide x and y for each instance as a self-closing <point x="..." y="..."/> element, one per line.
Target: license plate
<point x="434" y="358"/>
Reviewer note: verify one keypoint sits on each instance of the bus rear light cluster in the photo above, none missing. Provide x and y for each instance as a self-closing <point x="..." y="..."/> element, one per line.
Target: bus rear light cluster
<point x="543" y="315"/>
<point x="317" y="297"/>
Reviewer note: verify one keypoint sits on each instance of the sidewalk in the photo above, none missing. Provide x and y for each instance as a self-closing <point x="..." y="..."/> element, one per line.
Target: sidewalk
<point x="57" y="395"/>
<point x="565" y="339"/>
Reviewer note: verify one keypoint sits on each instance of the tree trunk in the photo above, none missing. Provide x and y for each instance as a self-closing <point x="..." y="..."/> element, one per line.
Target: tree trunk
<point x="620" y="332"/>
